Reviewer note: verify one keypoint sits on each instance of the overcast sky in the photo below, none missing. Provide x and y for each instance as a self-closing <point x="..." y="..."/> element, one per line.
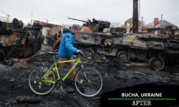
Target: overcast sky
<point x="58" y="11"/>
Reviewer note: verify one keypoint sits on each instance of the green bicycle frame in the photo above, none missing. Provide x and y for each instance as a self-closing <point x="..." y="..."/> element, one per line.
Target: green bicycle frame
<point x="55" y="64"/>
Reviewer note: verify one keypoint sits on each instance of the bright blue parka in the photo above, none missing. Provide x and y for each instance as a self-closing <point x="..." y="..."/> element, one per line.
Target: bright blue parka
<point x="66" y="48"/>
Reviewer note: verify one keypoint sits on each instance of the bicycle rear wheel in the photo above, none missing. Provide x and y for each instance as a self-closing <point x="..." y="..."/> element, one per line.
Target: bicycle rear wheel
<point x="35" y="83"/>
<point x="91" y="80"/>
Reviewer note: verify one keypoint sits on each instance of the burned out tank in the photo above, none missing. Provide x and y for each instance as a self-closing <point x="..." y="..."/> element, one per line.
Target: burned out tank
<point x="155" y="50"/>
<point x="95" y="26"/>
<point x="16" y="41"/>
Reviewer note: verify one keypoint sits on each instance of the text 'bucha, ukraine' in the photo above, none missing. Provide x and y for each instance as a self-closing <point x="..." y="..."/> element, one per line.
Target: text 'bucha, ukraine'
<point x="141" y="95"/>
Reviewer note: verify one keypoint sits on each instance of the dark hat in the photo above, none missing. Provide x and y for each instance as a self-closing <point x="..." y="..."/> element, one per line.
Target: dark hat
<point x="75" y="27"/>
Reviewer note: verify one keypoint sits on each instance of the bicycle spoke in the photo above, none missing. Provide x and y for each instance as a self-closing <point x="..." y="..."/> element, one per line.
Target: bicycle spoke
<point x="33" y="85"/>
<point x="38" y="88"/>
<point x="88" y="74"/>
<point x="91" y="74"/>
<point x="81" y="77"/>
<point x="89" y="88"/>
<point x="95" y="80"/>
<point x="84" y="83"/>
<point x="94" y="87"/>
<point x="81" y="86"/>
<point x="86" y="89"/>
<point x="45" y="87"/>
<point x="38" y="73"/>
<point x="97" y="86"/>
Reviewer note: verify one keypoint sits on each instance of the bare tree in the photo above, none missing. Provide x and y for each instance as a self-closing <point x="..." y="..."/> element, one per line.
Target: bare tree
<point x="68" y="25"/>
<point x="115" y="24"/>
<point x="65" y="25"/>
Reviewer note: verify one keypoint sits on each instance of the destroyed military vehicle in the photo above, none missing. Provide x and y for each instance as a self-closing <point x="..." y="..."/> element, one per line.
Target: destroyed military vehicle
<point x="155" y="50"/>
<point x="19" y="42"/>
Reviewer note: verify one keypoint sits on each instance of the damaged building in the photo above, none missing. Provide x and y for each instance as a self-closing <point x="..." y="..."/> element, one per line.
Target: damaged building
<point x="129" y="23"/>
<point x="160" y="27"/>
<point x="48" y="29"/>
<point x="52" y="33"/>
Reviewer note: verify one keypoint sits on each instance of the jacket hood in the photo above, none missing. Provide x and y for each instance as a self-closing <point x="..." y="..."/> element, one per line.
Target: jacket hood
<point x="65" y="30"/>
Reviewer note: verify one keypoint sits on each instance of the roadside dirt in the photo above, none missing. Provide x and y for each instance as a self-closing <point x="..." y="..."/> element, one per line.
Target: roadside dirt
<point x="14" y="82"/>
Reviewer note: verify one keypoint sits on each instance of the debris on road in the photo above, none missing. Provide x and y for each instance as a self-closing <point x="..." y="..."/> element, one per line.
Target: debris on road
<point x="27" y="99"/>
<point x="12" y="80"/>
<point x="139" y="73"/>
<point x="176" y="74"/>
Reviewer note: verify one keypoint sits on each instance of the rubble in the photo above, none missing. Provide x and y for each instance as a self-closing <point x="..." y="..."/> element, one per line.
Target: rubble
<point x="15" y="81"/>
<point x="139" y="73"/>
<point x="27" y="99"/>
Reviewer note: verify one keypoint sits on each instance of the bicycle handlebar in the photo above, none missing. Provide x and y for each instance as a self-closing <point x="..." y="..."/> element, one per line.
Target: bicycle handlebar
<point x="78" y="54"/>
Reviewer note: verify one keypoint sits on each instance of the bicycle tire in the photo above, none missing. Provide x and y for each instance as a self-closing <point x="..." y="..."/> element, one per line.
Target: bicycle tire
<point x="37" y="82"/>
<point x="81" y="89"/>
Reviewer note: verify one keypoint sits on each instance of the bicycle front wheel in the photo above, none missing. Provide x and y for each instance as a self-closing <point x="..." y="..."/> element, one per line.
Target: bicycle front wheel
<point x="88" y="82"/>
<point x="35" y="83"/>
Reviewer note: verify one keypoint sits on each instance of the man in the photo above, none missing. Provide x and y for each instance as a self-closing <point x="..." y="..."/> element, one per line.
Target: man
<point x="66" y="50"/>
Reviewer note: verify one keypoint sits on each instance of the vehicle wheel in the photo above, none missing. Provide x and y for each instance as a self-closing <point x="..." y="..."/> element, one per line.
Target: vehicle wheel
<point x="2" y="56"/>
<point x="35" y="83"/>
<point x="156" y="64"/>
<point x="97" y="55"/>
<point x="123" y="56"/>
<point x="88" y="52"/>
<point x="91" y="80"/>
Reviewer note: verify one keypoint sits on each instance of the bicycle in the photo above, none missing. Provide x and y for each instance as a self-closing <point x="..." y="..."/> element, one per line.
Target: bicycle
<point x="91" y="79"/>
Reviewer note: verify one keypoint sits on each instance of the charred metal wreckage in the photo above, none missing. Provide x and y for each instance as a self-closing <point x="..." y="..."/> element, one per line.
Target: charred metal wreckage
<point x="54" y="40"/>
<point x="16" y="41"/>
<point x="154" y="50"/>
